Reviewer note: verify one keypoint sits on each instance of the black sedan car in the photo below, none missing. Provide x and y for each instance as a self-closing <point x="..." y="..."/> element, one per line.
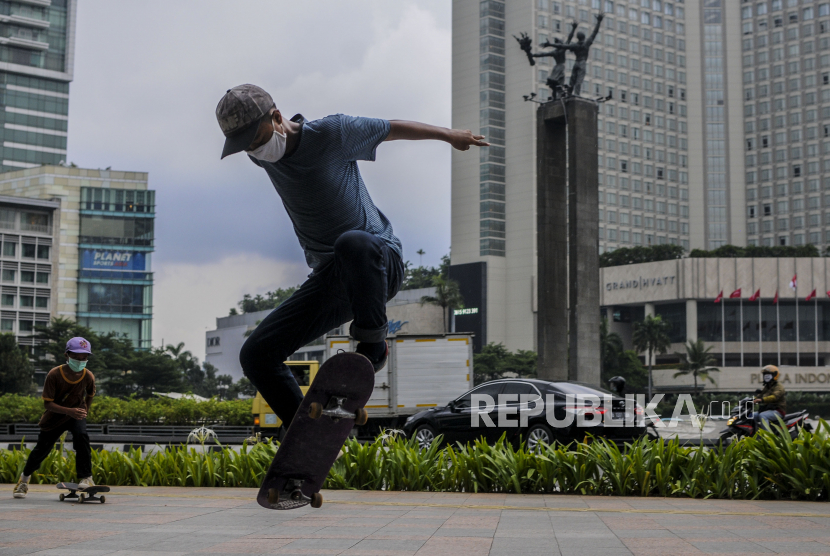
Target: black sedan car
<point x="540" y="423"/>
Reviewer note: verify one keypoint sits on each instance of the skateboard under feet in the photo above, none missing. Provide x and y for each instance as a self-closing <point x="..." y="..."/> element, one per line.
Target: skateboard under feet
<point x="86" y="494"/>
<point x="330" y="409"/>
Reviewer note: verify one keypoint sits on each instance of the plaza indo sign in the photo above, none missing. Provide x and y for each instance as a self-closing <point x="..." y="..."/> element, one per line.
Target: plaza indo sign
<point x="641" y="283"/>
<point x="796" y="377"/>
<point x="106" y="259"/>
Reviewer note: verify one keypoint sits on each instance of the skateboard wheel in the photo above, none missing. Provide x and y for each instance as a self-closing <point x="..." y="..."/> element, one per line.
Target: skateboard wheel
<point x="315" y="410"/>
<point x="62" y="497"/>
<point x="273" y="496"/>
<point x="316" y="500"/>
<point x="103" y="499"/>
<point x="81" y="498"/>
<point x="361" y="416"/>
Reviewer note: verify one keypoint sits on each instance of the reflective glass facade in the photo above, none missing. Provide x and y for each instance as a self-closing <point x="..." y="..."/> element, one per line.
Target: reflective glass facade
<point x="115" y="284"/>
<point x="35" y="71"/>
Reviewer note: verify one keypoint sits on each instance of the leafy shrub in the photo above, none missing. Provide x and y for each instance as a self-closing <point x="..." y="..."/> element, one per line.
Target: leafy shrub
<point x="28" y="409"/>
<point x="768" y="466"/>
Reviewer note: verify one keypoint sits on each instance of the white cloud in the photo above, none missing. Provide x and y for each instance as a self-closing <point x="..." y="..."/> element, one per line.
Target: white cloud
<point x="188" y="297"/>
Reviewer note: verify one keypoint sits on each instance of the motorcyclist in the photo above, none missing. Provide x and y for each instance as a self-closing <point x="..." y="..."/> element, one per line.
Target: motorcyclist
<point x="772" y="401"/>
<point x="617" y="385"/>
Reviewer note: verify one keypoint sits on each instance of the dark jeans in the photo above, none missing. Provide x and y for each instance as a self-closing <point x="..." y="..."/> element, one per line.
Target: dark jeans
<point x="80" y="442"/>
<point x="764" y="418"/>
<point x="365" y="273"/>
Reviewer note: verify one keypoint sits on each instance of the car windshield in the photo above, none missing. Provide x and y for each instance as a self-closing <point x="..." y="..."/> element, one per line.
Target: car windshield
<point x="580" y="389"/>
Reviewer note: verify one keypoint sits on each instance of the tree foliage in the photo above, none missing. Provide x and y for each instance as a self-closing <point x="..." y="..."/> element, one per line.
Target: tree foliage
<point x="617" y="361"/>
<point x="16" y="372"/>
<point x="447" y="296"/>
<point x="697" y="362"/>
<point x="121" y="370"/>
<point x="757" y="251"/>
<point x="651" y="336"/>
<point x="422" y="276"/>
<point x="495" y="361"/>
<point x="635" y="255"/>
<point x="271" y="300"/>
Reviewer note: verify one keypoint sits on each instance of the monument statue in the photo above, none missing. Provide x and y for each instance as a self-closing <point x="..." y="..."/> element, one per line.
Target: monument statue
<point x="580" y="49"/>
<point x="556" y="79"/>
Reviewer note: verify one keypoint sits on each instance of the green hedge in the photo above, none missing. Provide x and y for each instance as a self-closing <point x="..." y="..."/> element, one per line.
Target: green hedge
<point x="769" y="466"/>
<point x="28" y="409"/>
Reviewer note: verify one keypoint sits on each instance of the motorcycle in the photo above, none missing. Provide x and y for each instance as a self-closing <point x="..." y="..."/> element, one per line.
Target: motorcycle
<point x="741" y="422"/>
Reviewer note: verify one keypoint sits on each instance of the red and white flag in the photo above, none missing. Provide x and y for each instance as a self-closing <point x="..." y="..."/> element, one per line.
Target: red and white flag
<point x="736" y="293"/>
<point x="811" y="296"/>
<point x="756" y="295"/>
<point x="775" y="301"/>
<point x="794" y="282"/>
<point x="719" y="298"/>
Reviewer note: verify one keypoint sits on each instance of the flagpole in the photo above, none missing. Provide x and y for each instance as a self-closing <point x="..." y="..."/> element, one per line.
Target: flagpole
<point x="815" y="304"/>
<point x="760" y="337"/>
<point x="778" y="325"/>
<point x="723" y="331"/>
<point x="742" y="329"/>
<point x="797" y="335"/>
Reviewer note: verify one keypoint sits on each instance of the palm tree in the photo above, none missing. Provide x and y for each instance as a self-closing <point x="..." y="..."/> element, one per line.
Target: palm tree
<point x="610" y="346"/>
<point x="651" y="336"/>
<point x="696" y="362"/>
<point x="421" y="254"/>
<point x="447" y="296"/>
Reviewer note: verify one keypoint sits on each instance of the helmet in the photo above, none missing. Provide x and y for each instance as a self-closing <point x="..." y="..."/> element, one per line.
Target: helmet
<point x="771" y="370"/>
<point x="617" y="384"/>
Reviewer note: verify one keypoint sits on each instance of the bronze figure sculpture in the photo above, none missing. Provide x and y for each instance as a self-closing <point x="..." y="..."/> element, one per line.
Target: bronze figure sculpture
<point x="581" y="50"/>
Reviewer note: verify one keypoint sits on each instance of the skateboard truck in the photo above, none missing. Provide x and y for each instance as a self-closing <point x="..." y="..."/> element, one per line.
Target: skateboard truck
<point x="334" y="409"/>
<point x="292" y="496"/>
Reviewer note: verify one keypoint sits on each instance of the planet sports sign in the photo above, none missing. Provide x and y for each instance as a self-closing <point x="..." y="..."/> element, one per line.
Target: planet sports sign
<point x="640" y="283"/>
<point x="106" y="259"/>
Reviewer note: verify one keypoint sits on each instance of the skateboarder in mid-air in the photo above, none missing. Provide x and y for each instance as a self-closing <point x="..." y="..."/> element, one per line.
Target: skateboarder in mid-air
<point x="355" y="258"/>
<point x="67" y="396"/>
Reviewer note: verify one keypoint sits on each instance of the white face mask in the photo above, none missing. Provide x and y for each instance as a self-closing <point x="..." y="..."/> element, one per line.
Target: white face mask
<point x="767" y="378"/>
<point x="273" y="150"/>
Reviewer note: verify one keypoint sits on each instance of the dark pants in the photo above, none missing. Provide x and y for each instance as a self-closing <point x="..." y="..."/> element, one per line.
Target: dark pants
<point x="365" y="273"/>
<point x="80" y="442"/>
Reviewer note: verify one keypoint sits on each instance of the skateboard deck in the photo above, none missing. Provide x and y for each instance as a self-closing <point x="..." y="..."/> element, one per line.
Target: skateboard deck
<point x="331" y="407"/>
<point x="87" y="494"/>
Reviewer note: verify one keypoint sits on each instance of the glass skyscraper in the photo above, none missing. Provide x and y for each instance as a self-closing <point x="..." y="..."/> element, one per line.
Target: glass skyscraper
<point x="36" y="59"/>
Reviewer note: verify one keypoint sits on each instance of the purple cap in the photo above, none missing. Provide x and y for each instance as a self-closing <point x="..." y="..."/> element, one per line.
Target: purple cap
<point x="79" y="345"/>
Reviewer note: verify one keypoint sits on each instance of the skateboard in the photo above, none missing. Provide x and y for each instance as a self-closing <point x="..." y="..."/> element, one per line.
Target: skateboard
<point x="331" y="407"/>
<point x="87" y="494"/>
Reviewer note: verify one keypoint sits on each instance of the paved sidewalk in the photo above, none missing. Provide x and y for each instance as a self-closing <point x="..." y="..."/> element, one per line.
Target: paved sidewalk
<point x="161" y="521"/>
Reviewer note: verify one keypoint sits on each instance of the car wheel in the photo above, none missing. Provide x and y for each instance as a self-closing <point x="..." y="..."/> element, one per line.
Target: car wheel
<point x="425" y="435"/>
<point x="537" y="436"/>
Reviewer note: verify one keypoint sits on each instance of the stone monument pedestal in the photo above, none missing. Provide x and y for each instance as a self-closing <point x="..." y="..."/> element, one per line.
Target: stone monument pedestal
<point x="567" y="191"/>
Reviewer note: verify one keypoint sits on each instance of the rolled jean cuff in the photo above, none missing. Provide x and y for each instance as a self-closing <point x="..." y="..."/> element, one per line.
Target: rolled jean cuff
<point x="370" y="335"/>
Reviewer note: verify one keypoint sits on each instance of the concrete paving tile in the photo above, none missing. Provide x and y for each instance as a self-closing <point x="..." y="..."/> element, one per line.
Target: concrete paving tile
<point x="385" y="547"/>
<point x="316" y="544"/>
<point x="643" y="533"/>
<point x="245" y="546"/>
<point x="730" y="547"/>
<point x="462" y="532"/>
<point x="72" y="552"/>
<point x="453" y="546"/>
<point x="592" y="551"/>
<point x="787" y="547"/>
<point x="530" y="543"/>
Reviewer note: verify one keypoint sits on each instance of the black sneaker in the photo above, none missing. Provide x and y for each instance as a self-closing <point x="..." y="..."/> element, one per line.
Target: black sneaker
<point x="378" y="363"/>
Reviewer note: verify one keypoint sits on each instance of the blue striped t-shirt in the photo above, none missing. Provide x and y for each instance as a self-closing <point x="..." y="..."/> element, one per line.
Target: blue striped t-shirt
<point x="321" y="187"/>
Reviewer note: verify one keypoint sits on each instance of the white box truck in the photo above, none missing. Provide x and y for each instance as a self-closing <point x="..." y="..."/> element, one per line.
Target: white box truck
<point x="422" y="371"/>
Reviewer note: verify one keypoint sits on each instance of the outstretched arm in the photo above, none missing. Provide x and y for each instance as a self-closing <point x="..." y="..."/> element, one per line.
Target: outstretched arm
<point x="415" y="131"/>
<point x="574" y="25"/>
<point x="590" y="40"/>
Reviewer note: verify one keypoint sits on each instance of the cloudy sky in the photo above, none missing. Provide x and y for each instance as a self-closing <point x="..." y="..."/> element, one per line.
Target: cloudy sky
<point x="148" y="76"/>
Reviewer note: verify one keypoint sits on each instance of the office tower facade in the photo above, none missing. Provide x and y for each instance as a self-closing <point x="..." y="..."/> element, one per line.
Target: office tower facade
<point x="786" y="78"/>
<point x="86" y="235"/>
<point x="36" y="64"/>
<point x="672" y="134"/>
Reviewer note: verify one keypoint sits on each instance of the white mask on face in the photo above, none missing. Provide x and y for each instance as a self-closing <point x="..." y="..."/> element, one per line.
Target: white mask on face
<point x="767" y="378"/>
<point x="273" y="150"/>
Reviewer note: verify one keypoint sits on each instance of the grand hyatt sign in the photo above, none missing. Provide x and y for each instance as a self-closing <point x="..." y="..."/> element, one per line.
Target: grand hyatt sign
<point x="640" y="283"/>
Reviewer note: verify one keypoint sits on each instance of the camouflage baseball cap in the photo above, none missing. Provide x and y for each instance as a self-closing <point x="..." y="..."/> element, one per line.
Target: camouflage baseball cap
<point x="239" y="113"/>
